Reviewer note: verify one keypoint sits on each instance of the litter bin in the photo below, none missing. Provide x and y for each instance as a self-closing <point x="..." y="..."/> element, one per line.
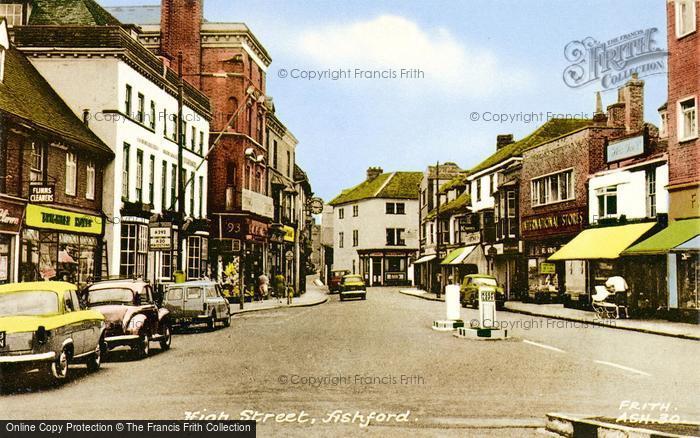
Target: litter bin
<point x="179" y="277"/>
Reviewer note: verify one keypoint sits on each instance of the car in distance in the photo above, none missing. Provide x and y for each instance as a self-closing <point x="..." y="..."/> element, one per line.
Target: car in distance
<point x="44" y="325"/>
<point x="352" y="286"/>
<point x="195" y="302"/>
<point x="469" y="291"/>
<point x="132" y="318"/>
<point x="335" y="279"/>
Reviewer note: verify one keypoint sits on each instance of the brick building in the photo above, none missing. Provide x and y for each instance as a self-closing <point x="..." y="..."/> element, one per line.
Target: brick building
<point x="683" y="20"/>
<point x="51" y="172"/>
<point x="554" y="196"/>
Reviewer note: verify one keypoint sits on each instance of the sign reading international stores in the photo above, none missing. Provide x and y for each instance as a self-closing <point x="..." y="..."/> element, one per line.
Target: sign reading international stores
<point x="564" y="222"/>
<point x="54" y="219"/>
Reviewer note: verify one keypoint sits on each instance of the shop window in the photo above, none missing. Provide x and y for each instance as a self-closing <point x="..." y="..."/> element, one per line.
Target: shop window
<point x="651" y="192"/>
<point x="687" y="119"/>
<point x="552" y="188"/>
<point x="36" y="171"/>
<point x="607" y="202"/>
<point x="394" y="264"/>
<point x="5" y="257"/>
<point x="688" y="273"/>
<point x="71" y="173"/>
<point x="90" y="180"/>
<point x="685" y="17"/>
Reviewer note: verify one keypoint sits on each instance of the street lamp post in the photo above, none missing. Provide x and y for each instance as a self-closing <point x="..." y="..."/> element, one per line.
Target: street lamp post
<point x="439" y="233"/>
<point x="180" y="153"/>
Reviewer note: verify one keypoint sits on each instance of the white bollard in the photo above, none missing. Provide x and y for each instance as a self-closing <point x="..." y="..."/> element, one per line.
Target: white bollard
<point x="452" y="304"/>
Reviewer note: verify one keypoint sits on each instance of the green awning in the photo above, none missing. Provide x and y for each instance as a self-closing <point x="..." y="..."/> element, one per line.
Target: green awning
<point x="451" y="256"/>
<point x="602" y="243"/>
<point x="664" y="241"/>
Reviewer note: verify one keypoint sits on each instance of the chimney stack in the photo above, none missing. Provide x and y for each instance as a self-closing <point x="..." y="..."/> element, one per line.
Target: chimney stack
<point x="633" y="95"/>
<point x="503" y="140"/>
<point x="180" y="28"/>
<point x="374" y="172"/>
<point x="599" y="116"/>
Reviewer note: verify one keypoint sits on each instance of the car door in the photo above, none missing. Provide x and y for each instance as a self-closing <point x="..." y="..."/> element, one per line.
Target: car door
<point x="74" y="323"/>
<point x="194" y="299"/>
<point x="90" y="328"/>
<point x="149" y="309"/>
<point x="174" y="301"/>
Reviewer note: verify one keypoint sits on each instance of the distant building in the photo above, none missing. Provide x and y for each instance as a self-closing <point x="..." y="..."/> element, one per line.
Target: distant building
<point x="375" y="227"/>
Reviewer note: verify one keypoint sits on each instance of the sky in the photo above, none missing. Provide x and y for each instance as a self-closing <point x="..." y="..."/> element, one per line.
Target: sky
<point x="466" y="62"/>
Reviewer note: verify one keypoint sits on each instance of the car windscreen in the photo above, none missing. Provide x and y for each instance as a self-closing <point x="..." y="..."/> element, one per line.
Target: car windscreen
<point x="28" y="303"/>
<point x="485" y="282"/>
<point x="110" y="295"/>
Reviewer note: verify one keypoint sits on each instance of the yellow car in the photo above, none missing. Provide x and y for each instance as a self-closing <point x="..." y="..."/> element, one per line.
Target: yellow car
<point x="44" y="325"/>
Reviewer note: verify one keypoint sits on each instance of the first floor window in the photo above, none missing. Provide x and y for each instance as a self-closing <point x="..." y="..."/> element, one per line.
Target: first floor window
<point x="134" y="250"/>
<point x="355" y="210"/>
<point x="125" y="171"/>
<point x="341" y="239"/>
<point x="90" y="181"/>
<point x="341" y="213"/>
<point x="192" y="182"/>
<point x="685" y="17"/>
<point x="36" y="171"/>
<point x="651" y="192"/>
<point x="688" y="119"/>
<point x="12" y="12"/>
<point x="512" y="222"/>
<point x="355" y="238"/>
<point x="164" y="185"/>
<point x="395" y="237"/>
<point x="173" y="186"/>
<point x="71" y="173"/>
<point x="552" y="188"/>
<point x="607" y="202"/>
<point x="390" y="208"/>
<point x="201" y="196"/>
<point x="139" y="176"/>
<point x="151" y="178"/>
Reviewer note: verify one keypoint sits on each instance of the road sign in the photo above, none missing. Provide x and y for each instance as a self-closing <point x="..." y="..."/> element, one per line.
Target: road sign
<point x="160" y="238"/>
<point x="487" y="307"/>
<point x="289" y="256"/>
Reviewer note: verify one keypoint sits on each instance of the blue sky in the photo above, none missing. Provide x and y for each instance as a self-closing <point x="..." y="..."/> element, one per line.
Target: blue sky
<point x="476" y="56"/>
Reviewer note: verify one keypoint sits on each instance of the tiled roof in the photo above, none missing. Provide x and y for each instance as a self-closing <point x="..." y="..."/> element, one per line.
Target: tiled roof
<point x="457" y="205"/>
<point x="396" y="185"/>
<point x="25" y="94"/>
<point x="550" y="130"/>
<point x="83" y="12"/>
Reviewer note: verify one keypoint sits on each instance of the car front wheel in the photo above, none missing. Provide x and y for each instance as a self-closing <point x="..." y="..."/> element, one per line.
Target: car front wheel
<point x="167" y="338"/>
<point x="59" y="367"/>
<point x="143" y="349"/>
<point x="227" y="321"/>
<point x="211" y="324"/>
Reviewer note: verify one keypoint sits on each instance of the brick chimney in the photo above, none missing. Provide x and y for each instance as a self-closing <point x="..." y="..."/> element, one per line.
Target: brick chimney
<point x="633" y="96"/>
<point x="374" y="172"/>
<point x="180" y="26"/>
<point x="503" y="140"/>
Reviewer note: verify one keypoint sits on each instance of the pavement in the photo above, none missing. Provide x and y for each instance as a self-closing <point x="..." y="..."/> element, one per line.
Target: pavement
<point x="316" y="293"/>
<point x="379" y="355"/>
<point x="558" y="311"/>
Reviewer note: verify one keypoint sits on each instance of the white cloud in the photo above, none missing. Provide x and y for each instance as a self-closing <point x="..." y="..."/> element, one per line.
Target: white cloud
<point x="390" y="41"/>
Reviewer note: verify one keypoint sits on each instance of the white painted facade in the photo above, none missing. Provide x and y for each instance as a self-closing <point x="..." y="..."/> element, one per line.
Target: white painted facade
<point x="99" y="85"/>
<point x="371" y="224"/>
<point x="631" y="191"/>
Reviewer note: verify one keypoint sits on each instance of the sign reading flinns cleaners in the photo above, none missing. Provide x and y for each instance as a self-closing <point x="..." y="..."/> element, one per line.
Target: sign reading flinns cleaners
<point x="612" y="62"/>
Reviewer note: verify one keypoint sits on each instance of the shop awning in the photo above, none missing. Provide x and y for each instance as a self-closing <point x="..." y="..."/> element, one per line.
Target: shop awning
<point x="463" y="258"/>
<point x="602" y="243"/>
<point x="691" y="245"/>
<point x="425" y="259"/>
<point x="451" y="256"/>
<point x="676" y="234"/>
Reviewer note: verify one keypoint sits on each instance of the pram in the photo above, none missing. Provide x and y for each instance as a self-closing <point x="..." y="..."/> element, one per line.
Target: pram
<point x="606" y="309"/>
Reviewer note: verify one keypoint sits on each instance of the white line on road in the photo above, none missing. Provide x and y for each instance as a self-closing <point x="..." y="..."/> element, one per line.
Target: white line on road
<point x="548" y="347"/>
<point x="622" y="367"/>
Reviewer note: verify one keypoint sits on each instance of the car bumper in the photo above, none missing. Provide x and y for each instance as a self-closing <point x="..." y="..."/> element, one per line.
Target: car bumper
<point x="116" y="341"/>
<point x="24" y="358"/>
<point x="353" y="293"/>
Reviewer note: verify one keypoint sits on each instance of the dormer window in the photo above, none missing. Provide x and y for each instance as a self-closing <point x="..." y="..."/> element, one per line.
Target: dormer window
<point x="12" y="12"/>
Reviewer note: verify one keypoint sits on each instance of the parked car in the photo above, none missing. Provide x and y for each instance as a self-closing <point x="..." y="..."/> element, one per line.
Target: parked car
<point x="352" y="286"/>
<point x="196" y="302"/>
<point x="132" y="318"/>
<point x="469" y="292"/>
<point x="44" y="325"/>
<point x="335" y="279"/>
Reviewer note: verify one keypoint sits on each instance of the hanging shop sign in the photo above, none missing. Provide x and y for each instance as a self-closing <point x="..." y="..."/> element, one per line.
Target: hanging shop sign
<point x="55" y="219"/>
<point x="289" y="234"/>
<point x="42" y="193"/>
<point x="10" y="217"/>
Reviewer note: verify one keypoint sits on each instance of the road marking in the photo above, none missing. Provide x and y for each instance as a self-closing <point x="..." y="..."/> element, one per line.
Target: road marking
<point x="548" y="347"/>
<point x="622" y="367"/>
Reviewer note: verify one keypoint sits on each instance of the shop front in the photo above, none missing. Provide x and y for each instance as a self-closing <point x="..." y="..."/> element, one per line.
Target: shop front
<point x="543" y="235"/>
<point x="241" y="243"/>
<point x="382" y="267"/>
<point x="673" y="254"/>
<point x="599" y="249"/>
<point x="463" y="261"/>
<point x="60" y="245"/>
<point x="11" y="215"/>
